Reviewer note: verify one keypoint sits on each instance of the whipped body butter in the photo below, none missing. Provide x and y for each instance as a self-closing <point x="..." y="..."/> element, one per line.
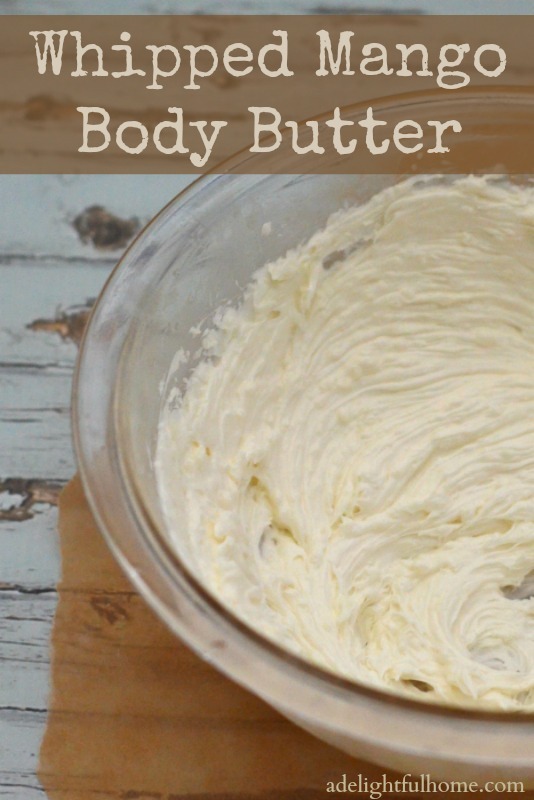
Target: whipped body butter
<point x="351" y="466"/>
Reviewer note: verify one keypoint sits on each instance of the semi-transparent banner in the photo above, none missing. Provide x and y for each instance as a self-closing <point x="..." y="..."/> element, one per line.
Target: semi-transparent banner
<point x="183" y="94"/>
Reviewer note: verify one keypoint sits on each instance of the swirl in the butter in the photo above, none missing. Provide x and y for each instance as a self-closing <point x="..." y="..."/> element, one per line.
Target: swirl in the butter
<point x="351" y="468"/>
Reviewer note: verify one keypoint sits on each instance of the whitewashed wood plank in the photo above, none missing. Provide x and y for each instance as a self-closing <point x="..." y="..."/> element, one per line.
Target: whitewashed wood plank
<point x="35" y="383"/>
<point x="266" y="6"/>
<point x="25" y="685"/>
<point x="35" y="434"/>
<point x="18" y="790"/>
<point x="25" y="623"/>
<point x="35" y="289"/>
<point x="37" y="211"/>
<point x="24" y="626"/>
<point x="29" y="556"/>
<point x="36" y="367"/>
<point x="20" y="735"/>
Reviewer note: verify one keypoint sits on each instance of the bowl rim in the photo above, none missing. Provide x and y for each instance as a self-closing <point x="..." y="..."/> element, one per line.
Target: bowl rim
<point x="321" y="676"/>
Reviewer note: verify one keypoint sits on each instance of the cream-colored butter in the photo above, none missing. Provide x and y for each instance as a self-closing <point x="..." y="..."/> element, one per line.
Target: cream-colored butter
<point x="352" y="471"/>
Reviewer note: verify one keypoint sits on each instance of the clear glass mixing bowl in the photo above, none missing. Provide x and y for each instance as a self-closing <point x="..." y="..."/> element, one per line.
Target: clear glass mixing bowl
<point x="198" y="252"/>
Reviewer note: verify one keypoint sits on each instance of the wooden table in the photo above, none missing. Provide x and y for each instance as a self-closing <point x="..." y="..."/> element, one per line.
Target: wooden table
<point x="47" y="280"/>
<point x="48" y="277"/>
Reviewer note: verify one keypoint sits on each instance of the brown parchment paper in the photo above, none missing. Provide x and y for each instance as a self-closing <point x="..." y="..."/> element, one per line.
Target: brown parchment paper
<point x="135" y="715"/>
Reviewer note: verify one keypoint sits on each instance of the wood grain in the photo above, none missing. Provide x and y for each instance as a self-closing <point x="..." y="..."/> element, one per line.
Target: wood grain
<point x="45" y="273"/>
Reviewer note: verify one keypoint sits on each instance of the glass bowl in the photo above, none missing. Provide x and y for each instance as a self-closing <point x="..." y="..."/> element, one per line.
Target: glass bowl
<point x="197" y="253"/>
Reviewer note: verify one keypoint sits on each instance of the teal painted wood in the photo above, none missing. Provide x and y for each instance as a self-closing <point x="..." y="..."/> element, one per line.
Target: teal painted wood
<point x="266" y="6"/>
<point x="45" y="270"/>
